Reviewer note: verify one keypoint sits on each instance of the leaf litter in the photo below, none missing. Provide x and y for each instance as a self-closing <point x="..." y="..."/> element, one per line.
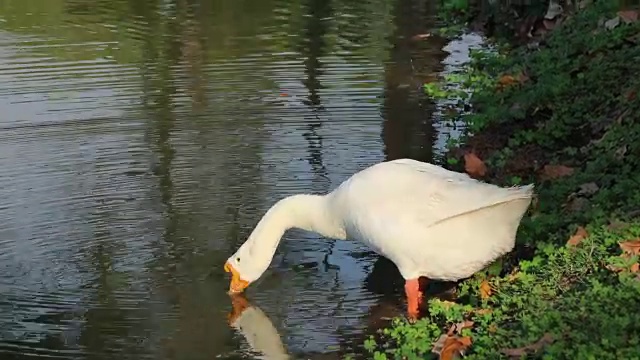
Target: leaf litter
<point x="578" y="237"/>
<point x="451" y="345"/>
<point x="629" y="249"/>
<point x="485" y="290"/>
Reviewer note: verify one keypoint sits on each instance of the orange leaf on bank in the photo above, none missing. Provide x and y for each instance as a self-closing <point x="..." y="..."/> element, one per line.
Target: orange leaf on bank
<point x="473" y="165"/>
<point x="454" y="346"/>
<point x="485" y="290"/>
<point x="631" y="247"/>
<point x="506" y="80"/>
<point x="578" y="237"/>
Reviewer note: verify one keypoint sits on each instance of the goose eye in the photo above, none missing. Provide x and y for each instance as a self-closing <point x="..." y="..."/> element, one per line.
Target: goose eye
<point x="238" y="259"/>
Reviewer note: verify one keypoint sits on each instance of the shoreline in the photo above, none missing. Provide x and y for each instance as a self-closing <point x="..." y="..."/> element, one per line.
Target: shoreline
<point x="554" y="106"/>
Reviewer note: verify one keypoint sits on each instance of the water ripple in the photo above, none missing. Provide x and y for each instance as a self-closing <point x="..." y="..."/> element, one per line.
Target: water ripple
<point x="140" y="142"/>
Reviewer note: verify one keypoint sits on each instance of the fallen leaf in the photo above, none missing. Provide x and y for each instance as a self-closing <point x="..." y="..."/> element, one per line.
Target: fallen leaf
<point x="612" y="23"/>
<point x="506" y="80"/>
<point x="545" y="340"/>
<point x="631" y="247"/>
<point x="628" y="16"/>
<point x="617" y="269"/>
<point x="485" y="290"/>
<point x="493" y="328"/>
<point x="556" y="171"/>
<point x="473" y="165"/>
<point x="578" y="237"/>
<point x="454" y="346"/>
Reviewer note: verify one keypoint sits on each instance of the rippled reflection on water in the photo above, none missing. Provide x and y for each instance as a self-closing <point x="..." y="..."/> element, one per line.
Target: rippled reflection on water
<point x="140" y="141"/>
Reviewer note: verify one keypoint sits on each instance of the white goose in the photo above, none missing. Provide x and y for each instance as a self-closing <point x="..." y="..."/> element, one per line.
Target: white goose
<point x="431" y="222"/>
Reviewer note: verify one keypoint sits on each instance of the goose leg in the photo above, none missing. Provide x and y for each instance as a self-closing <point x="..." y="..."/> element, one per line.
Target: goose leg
<point x="414" y="298"/>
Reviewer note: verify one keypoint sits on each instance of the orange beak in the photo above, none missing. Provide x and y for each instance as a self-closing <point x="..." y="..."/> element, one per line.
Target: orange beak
<point x="237" y="284"/>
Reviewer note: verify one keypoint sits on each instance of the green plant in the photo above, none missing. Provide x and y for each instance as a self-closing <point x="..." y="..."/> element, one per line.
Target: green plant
<point x="571" y="101"/>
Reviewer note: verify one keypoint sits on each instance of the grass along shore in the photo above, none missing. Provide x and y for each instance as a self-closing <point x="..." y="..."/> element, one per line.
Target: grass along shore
<point x="560" y="110"/>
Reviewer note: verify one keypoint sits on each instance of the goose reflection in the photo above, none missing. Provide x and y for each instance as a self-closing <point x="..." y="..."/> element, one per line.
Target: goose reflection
<point x="254" y="325"/>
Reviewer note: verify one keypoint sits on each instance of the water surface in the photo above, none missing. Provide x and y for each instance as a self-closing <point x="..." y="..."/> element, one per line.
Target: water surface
<point x="141" y="140"/>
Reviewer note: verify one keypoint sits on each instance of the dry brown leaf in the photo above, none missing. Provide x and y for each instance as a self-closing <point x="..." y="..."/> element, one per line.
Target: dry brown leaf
<point x="616" y="268"/>
<point x="631" y="247"/>
<point x="545" y="340"/>
<point x="578" y="237"/>
<point x="506" y="80"/>
<point x="556" y="171"/>
<point x="485" y="290"/>
<point x="628" y="16"/>
<point x="493" y="328"/>
<point x="454" y="346"/>
<point x="473" y="165"/>
<point x="450" y="345"/>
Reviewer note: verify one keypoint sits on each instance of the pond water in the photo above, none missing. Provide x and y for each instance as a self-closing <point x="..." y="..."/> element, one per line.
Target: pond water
<point x="141" y="140"/>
